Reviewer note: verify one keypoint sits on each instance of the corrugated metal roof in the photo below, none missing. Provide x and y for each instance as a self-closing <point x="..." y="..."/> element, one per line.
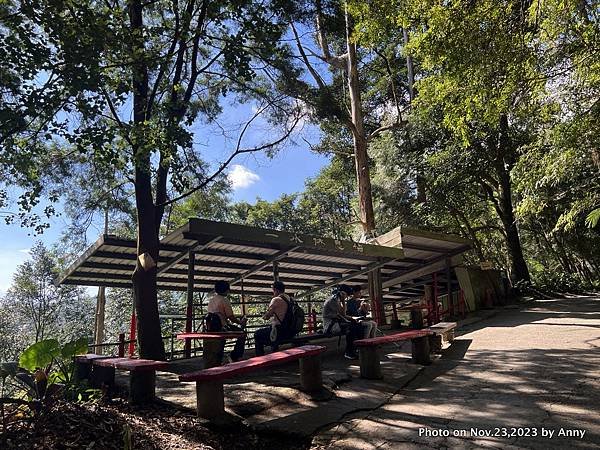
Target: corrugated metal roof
<point x="236" y="253"/>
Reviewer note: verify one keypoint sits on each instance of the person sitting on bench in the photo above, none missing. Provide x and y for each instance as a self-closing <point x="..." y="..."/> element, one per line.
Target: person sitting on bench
<point x="276" y="312"/>
<point x="335" y="321"/>
<point x="358" y="308"/>
<point x="220" y="317"/>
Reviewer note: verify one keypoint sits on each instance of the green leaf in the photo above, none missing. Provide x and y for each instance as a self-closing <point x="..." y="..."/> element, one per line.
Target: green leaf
<point x="76" y="347"/>
<point x="39" y="355"/>
<point x="593" y="218"/>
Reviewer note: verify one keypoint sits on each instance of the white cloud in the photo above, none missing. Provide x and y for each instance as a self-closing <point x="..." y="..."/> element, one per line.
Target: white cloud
<point x="25" y="250"/>
<point x="241" y="177"/>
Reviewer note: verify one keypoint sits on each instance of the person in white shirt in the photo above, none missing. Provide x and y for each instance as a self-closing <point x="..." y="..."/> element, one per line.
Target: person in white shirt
<point x="220" y="317"/>
<point x="275" y="313"/>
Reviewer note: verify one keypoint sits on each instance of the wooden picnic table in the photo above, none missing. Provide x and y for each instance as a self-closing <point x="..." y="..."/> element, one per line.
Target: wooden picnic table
<point x="212" y="344"/>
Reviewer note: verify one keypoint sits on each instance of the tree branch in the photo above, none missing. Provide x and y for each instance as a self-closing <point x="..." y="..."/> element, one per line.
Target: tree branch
<point x="224" y="165"/>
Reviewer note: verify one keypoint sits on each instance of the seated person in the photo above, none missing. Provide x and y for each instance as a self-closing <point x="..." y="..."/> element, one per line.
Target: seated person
<point x="336" y="321"/>
<point x="276" y="311"/>
<point x="357" y="307"/>
<point x="220" y="317"/>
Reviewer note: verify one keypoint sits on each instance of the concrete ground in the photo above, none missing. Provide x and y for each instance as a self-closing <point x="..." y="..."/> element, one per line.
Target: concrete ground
<point x="516" y="377"/>
<point x="524" y="378"/>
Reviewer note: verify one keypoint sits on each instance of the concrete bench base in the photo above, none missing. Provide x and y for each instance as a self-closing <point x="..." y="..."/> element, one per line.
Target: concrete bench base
<point x="370" y="366"/>
<point x="210" y="401"/>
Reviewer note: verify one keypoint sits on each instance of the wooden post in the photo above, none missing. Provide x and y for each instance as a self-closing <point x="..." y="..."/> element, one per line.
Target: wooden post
<point x="121" y="345"/>
<point x="311" y="325"/>
<point x="187" y="350"/>
<point x="370" y="367"/>
<point x="275" y="271"/>
<point x="376" y="296"/>
<point x="311" y="378"/>
<point x="210" y="399"/>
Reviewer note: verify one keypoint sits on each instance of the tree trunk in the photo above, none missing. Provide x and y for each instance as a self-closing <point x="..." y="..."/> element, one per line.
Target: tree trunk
<point x="503" y="163"/>
<point x="365" y="199"/>
<point x="144" y="276"/>
<point x="99" y="322"/>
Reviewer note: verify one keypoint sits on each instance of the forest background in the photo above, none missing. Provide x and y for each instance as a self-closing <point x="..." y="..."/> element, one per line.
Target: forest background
<point x="476" y="117"/>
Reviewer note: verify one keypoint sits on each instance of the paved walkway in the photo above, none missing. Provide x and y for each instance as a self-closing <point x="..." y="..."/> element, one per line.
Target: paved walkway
<point x="527" y="378"/>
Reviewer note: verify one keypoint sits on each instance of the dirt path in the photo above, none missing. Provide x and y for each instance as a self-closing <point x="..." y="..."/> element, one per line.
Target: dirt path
<point x="527" y="378"/>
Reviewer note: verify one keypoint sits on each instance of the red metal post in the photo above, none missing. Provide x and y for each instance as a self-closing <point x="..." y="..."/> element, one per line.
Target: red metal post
<point x="121" y="345"/>
<point x="461" y="303"/>
<point x="310" y="319"/>
<point x="132" y="333"/>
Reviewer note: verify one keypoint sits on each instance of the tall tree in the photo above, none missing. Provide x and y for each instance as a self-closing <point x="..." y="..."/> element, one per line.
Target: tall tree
<point x="132" y="82"/>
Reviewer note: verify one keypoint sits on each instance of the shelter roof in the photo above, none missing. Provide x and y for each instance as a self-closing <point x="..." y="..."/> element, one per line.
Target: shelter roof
<point x="246" y="256"/>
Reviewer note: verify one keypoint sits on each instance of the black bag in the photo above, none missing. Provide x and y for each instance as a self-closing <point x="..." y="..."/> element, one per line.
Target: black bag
<point x="212" y="322"/>
<point x="293" y="321"/>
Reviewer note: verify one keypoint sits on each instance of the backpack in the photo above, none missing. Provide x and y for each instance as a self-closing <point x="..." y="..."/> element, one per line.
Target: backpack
<point x="212" y="322"/>
<point x="293" y="321"/>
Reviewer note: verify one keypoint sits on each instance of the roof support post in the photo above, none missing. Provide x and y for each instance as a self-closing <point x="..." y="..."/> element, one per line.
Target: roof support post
<point x="243" y="298"/>
<point x="450" y="307"/>
<point x="376" y="296"/>
<point x="190" y="302"/>
<point x="275" y="271"/>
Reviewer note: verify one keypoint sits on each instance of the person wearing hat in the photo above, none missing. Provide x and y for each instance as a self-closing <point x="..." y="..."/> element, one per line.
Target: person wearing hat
<point x="335" y="321"/>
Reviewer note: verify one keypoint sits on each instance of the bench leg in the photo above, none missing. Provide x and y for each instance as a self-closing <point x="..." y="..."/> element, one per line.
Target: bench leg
<point x="370" y="367"/>
<point x="311" y="378"/>
<point x="210" y="400"/>
<point x="420" y="350"/>
<point x="142" y="385"/>
<point x="450" y="336"/>
<point x="435" y="342"/>
<point x="103" y="375"/>
<point x="212" y="352"/>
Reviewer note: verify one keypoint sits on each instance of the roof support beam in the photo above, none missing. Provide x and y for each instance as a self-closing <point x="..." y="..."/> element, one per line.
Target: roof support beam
<point x="183" y="254"/>
<point x="369" y="268"/>
<point x="273" y="259"/>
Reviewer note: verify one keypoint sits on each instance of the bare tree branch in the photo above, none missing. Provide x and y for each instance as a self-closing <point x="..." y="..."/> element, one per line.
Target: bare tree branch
<point x="224" y="165"/>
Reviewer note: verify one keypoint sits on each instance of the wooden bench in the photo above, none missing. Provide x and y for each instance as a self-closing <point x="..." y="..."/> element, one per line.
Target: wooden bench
<point x="142" y="374"/>
<point x="442" y="331"/>
<point x="212" y="344"/>
<point x="210" y="399"/>
<point x="370" y="367"/>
